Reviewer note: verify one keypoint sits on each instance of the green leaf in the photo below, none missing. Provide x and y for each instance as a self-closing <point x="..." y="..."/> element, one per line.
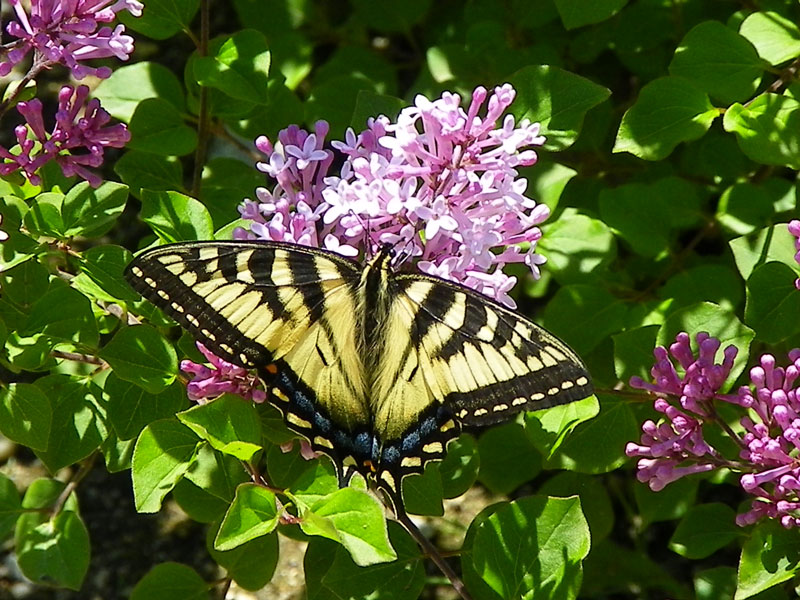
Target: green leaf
<point x="158" y="127"/>
<point x="597" y="446"/>
<point x="285" y="468"/>
<point x="197" y="503"/>
<point x="575" y="15"/>
<point x="773" y="302"/>
<point x="10" y="506"/>
<point x="117" y="453"/>
<point x="584" y="315"/>
<point x="55" y="552"/>
<point x="171" y="581"/>
<point x="317" y="481"/>
<point x="44" y="217"/>
<point x="718" y="61"/>
<point x="355" y="519"/>
<point x="422" y="492"/>
<point x="175" y="217"/>
<point x="162" y="455"/>
<point x="238" y="67"/>
<point x="26" y="415"/>
<point x="770" y="244"/>
<point x="776" y="38"/>
<point x="131" y="408"/>
<point x="29" y="353"/>
<point x="334" y="99"/>
<point x="92" y="212"/>
<point x="250" y="565"/>
<point x="128" y="85"/>
<point x="767" y="129"/>
<point x="143" y="356"/>
<point x="162" y="18"/>
<point x="459" y="469"/>
<point x="331" y="572"/>
<point x="668" y="111"/>
<point x="719" y="582"/>
<point x="252" y="514"/>
<point x="669" y="504"/>
<point x="63" y="314"/>
<point x="532" y="547"/>
<point x="633" y="352"/>
<point x="104" y="266"/>
<point x="216" y="473"/>
<point x="595" y="500"/>
<point x="230" y="424"/>
<point x="77" y="426"/>
<point x="557" y="99"/>
<point x="769" y="557"/>
<point x="576" y="245"/>
<point x="143" y="170"/>
<point x="25" y="284"/>
<point x="548" y="428"/>
<point x="704" y="529"/>
<point x="508" y="458"/>
<point x="711" y="283"/>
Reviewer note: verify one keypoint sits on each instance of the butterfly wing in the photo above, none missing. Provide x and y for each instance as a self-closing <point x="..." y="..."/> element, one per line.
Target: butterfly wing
<point x="465" y="360"/>
<point x="286" y="310"/>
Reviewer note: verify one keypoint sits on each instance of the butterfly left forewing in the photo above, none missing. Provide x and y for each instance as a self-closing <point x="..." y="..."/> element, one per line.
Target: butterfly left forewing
<point x="286" y="310"/>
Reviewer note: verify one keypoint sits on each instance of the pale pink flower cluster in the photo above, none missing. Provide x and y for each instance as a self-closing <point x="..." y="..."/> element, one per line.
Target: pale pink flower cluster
<point x="68" y="32"/>
<point x="77" y="141"/>
<point x="440" y="185"/>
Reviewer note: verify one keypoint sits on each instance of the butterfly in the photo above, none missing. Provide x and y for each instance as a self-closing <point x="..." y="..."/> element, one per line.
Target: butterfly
<point x="379" y="369"/>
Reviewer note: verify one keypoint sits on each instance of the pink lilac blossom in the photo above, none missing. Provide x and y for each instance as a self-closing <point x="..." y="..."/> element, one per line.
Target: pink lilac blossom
<point x="794" y="229"/>
<point x="223" y="377"/>
<point x="440" y="184"/>
<point x="770" y="446"/>
<point x="69" y="32"/>
<point x="77" y="141"/>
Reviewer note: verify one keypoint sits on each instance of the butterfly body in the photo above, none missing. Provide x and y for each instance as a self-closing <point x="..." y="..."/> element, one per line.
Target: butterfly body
<point x="378" y="369"/>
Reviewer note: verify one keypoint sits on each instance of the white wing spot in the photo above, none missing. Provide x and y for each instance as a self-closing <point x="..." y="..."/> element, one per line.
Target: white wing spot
<point x="500" y="407"/>
<point x="433" y="448"/>
<point x="565" y="385"/>
<point x="137" y="272"/>
<point x="193" y="320"/>
<point x="581" y="381"/>
<point x="479" y="412"/>
<point x="226" y="348"/>
<point x="151" y="282"/>
<point x="163" y="294"/>
<point x="280" y="395"/>
<point x="519" y="401"/>
<point x="553" y="391"/>
<point x="411" y="462"/>
<point x="462" y="413"/>
<point x="293" y="419"/>
<point x="323" y="442"/>
<point x="176" y="307"/>
<point x="537" y="396"/>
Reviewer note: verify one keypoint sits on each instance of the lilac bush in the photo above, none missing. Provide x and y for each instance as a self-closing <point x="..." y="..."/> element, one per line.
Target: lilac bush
<point x="769" y="440"/>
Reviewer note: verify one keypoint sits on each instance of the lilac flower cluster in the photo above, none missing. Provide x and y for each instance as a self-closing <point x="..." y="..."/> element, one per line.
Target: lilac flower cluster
<point x="223" y="378"/>
<point x="769" y="447"/>
<point x="69" y="32"/>
<point x="440" y="184"/>
<point x="794" y="229"/>
<point x="77" y="141"/>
